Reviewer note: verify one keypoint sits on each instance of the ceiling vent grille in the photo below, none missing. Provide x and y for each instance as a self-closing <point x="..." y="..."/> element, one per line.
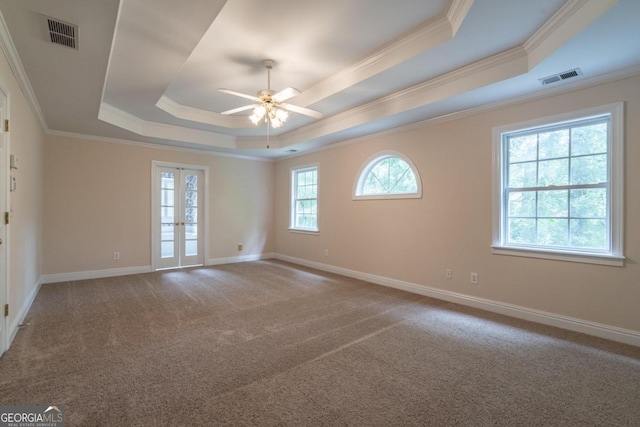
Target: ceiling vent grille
<point x="63" y="33"/>
<point x="561" y="76"/>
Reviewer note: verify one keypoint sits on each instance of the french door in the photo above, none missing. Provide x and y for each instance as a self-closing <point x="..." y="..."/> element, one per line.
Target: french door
<point x="179" y="212"/>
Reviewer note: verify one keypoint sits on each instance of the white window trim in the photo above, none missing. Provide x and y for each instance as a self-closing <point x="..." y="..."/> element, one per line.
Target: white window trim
<point x="616" y="189"/>
<point x="292" y="227"/>
<point x="368" y="165"/>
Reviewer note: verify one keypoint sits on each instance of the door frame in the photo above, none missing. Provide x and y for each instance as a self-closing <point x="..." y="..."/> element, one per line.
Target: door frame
<point x="155" y="218"/>
<point x="5" y="203"/>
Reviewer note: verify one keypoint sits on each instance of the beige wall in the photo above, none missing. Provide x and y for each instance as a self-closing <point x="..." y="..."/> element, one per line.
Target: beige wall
<point x="98" y="201"/>
<point x="25" y="228"/>
<point x="450" y="227"/>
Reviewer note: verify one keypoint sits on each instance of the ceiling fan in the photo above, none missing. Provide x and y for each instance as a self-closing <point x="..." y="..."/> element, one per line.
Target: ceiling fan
<point x="269" y="106"/>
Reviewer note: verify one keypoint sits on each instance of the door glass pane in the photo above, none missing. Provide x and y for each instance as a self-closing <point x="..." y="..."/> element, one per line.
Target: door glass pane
<point x="191" y="198"/>
<point x="166" y="214"/>
<point x="167" y="180"/>
<point x="191" y="231"/>
<point x="191" y="182"/>
<point x="191" y="248"/>
<point x="191" y="215"/>
<point x="166" y="197"/>
<point x="167" y="232"/>
<point x="166" y="250"/>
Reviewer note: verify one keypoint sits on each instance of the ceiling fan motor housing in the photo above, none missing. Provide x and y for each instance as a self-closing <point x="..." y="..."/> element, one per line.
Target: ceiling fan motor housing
<point x="266" y="95"/>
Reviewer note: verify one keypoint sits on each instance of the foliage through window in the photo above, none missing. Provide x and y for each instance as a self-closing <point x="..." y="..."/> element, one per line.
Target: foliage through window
<point x="388" y="175"/>
<point x="556" y="187"/>
<point x="304" y="199"/>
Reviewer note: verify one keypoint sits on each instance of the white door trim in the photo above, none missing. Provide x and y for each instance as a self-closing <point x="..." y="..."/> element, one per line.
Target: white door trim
<point x="155" y="164"/>
<point x="4" y="207"/>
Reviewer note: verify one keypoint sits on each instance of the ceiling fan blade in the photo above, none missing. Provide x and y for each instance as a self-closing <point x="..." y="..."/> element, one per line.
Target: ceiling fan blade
<point x="242" y="95"/>
<point x="302" y="110"/>
<point x="237" y="110"/>
<point x="285" y="94"/>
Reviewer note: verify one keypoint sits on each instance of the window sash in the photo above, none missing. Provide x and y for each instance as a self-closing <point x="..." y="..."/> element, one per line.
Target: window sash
<point x="608" y="207"/>
<point x="507" y="190"/>
<point x="301" y="219"/>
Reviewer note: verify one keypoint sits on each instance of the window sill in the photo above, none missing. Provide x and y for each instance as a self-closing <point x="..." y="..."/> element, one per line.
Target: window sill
<point x="388" y="196"/>
<point x="611" y="260"/>
<point x="302" y="231"/>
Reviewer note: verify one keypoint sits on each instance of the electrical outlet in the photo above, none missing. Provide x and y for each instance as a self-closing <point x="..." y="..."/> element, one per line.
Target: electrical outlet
<point x="474" y="278"/>
<point x="240" y="246"/>
<point x="448" y="274"/>
<point x="116" y="256"/>
<point x="326" y="252"/>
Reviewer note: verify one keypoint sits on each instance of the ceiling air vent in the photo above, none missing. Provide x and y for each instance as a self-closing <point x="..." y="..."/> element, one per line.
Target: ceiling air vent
<point x="561" y="76"/>
<point x="63" y="33"/>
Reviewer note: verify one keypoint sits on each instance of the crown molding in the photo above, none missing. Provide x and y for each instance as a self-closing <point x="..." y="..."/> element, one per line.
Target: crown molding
<point x="573" y="17"/>
<point x="564" y="24"/>
<point x="428" y="36"/>
<point x="124" y="120"/>
<point x="154" y="146"/>
<point x="567" y="22"/>
<point x="498" y="67"/>
<point x="10" y="52"/>
<point x="199" y="115"/>
<point x="458" y="12"/>
<point x="568" y="87"/>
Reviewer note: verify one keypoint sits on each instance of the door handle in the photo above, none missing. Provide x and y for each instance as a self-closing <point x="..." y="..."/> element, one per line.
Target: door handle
<point x="0" y="241"/>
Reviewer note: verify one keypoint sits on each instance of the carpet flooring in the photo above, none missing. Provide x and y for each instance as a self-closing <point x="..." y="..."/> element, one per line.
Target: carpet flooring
<point x="270" y="343"/>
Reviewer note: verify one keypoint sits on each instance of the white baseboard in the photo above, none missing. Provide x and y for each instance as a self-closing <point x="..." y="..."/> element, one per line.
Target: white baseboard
<point x="94" y="274"/>
<point x="112" y="272"/>
<point x="22" y="313"/>
<point x="613" y="333"/>
<point x="240" y="258"/>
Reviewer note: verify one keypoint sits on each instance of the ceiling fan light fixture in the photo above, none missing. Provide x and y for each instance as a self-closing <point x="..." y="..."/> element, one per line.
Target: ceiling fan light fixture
<point x="282" y="115"/>
<point x="258" y="114"/>
<point x="276" y="119"/>
<point x="269" y="105"/>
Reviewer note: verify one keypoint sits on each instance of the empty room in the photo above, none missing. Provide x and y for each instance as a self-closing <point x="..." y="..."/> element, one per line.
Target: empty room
<point x="301" y="213"/>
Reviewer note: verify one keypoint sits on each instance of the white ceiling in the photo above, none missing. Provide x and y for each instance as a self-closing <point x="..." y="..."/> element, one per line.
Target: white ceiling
<point x="149" y="70"/>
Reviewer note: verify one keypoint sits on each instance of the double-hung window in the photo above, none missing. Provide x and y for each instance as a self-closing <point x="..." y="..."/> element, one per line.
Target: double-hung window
<point x="558" y="187"/>
<point x="304" y="199"/>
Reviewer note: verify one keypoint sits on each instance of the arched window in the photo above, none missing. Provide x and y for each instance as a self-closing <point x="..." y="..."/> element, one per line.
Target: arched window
<point x="388" y="175"/>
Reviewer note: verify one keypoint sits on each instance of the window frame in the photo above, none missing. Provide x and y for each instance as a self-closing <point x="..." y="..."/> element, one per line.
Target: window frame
<point x="293" y="199"/>
<point x="615" y="188"/>
<point x="370" y="163"/>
